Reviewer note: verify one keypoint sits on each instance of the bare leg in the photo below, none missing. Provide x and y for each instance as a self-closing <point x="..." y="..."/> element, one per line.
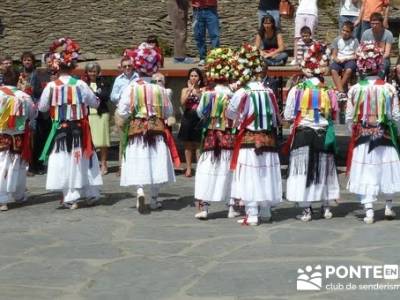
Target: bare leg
<point x="337" y="80"/>
<point x="346" y="77"/>
<point x="103" y="159"/>
<point x="188" y="158"/>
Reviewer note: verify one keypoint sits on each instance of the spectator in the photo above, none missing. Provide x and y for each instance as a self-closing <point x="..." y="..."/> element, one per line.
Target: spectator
<point x="178" y="15"/>
<point x="303" y="44"/>
<point x="395" y="76"/>
<point x="383" y="37"/>
<point x="269" y="7"/>
<point x="29" y="83"/>
<point x="205" y="17"/>
<point x="6" y="63"/>
<point x="369" y="7"/>
<point x="306" y="15"/>
<point x="270" y="42"/>
<point x="120" y="83"/>
<point x="344" y="58"/>
<point x="99" y="118"/>
<point x="190" y="131"/>
<point x="349" y="11"/>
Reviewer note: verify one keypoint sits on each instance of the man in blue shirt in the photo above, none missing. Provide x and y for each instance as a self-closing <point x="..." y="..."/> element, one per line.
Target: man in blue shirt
<point x="123" y="80"/>
<point x="120" y="83"/>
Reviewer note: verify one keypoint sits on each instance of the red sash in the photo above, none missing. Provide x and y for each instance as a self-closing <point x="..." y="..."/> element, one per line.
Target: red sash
<point x="238" y="141"/>
<point x="286" y="148"/>
<point x="172" y="147"/>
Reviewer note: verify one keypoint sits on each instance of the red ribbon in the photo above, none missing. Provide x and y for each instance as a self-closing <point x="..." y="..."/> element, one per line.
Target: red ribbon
<point x="238" y="141"/>
<point x="288" y="144"/>
<point x="172" y="148"/>
<point x="87" y="144"/>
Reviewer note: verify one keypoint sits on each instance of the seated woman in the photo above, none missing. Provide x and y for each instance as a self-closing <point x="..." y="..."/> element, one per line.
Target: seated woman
<point x="270" y="42"/>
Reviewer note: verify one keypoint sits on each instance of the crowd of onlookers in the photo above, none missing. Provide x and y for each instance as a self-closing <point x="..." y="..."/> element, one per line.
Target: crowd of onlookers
<point x="359" y="20"/>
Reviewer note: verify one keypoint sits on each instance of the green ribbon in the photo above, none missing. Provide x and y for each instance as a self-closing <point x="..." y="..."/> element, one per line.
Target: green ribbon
<point x="330" y="138"/>
<point x="46" y="149"/>
<point x="125" y="136"/>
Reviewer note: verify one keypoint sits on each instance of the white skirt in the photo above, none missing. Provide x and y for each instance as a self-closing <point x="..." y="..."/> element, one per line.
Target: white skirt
<point x="257" y="178"/>
<point x="213" y="178"/>
<point x="143" y="164"/>
<point x="69" y="171"/>
<point x="377" y="172"/>
<point x="12" y="177"/>
<point x="327" y="187"/>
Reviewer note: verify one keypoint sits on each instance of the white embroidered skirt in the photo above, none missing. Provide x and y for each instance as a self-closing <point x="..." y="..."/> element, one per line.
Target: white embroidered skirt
<point x="257" y="178"/>
<point x="377" y="172"/>
<point x="325" y="185"/>
<point x="145" y="164"/>
<point x="12" y="177"/>
<point x="68" y="171"/>
<point x="213" y="177"/>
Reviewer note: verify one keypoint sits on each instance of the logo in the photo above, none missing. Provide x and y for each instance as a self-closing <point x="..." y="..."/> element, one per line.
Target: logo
<point x="309" y="279"/>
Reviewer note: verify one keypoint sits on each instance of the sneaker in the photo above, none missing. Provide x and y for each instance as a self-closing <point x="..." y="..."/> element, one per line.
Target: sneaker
<point x="249" y="220"/>
<point x="369" y="217"/>
<point x="293" y="63"/>
<point x="184" y="60"/>
<point x="389" y="214"/>
<point x="154" y="204"/>
<point x="201" y="63"/>
<point x="140" y="201"/>
<point x="22" y="200"/>
<point x="4" y="207"/>
<point x="232" y="213"/>
<point x="201" y="215"/>
<point x="326" y="212"/>
<point x="307" y="215"/>
<point x="74" y="205"/>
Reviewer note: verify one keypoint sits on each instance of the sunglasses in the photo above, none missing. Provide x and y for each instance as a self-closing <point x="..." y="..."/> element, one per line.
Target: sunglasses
<point x="126" y="66"/>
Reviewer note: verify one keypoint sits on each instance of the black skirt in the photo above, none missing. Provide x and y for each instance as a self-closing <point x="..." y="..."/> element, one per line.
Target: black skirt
<point x="190" y="130"/>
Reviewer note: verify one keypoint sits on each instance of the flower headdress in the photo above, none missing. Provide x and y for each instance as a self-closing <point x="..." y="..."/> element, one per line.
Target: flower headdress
<point x="219" y="65"/>
<point x="146" y="58"/>
<point x="63" y="51"/>
<point x="316" y="60"/>
<point x="248" y="63"/>
<point x="369" y="58"/>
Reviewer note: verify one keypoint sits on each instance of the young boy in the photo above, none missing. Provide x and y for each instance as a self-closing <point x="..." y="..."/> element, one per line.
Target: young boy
<point x="303" y="44"/>
<point x="343" y="56"/>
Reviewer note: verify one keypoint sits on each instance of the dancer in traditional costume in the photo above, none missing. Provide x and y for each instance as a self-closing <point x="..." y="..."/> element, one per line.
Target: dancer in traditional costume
<point x="372" y="113"/>
<point x="312" y="107"/>
<point x="255" y="160"/>
<point x="73" y="167"/>
<point x="16" y="112"/>
<point x="148" y="146"/>
<point x="213" y="177"/>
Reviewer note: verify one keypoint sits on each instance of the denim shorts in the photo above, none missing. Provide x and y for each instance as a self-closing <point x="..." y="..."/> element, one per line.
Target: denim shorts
<point x="350" y="64"/>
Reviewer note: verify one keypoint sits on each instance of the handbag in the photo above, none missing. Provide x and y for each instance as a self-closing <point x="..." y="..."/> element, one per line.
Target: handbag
<point x="286" y="9"/>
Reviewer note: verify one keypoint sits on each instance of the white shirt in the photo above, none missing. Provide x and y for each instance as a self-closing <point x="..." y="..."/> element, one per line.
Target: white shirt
<point x="349" y="9"/>
<point x="307" y="7"/>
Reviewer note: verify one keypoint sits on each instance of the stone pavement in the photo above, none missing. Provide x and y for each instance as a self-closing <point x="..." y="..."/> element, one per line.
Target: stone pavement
<point x="111" y="252"/>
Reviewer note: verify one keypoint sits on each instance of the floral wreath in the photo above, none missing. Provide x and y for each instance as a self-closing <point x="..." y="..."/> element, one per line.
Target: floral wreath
<point x="146" y="58"/>
<point x="369" y="58"/>
<point x="248" y="63"/>
<point x="63" y="51"/>
<point x="219" y="65"/>
<point x="316" y="60"/>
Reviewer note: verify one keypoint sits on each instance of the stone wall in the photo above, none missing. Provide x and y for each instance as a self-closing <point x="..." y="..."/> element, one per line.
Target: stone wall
<point x="104" y="27"/>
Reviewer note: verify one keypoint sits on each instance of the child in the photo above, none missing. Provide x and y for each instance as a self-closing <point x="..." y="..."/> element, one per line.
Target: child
<point x="303" y="44"/>
<point x="343" y="54"/>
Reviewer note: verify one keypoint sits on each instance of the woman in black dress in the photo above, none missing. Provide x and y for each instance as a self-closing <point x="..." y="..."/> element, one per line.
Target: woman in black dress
<point x="190" y="130"/>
